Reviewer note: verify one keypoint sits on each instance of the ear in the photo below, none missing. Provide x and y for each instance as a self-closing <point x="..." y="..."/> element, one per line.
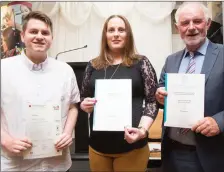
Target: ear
<point x="209" y="23"/>
<point x="22" y="36"/>
<point x="176" y="27"/>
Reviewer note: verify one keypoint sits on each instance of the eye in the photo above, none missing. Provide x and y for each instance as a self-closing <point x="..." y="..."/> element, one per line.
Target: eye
<point x="45" y="33"/>
<point x="121" y="30"/>
<point x="197" y="21"/>
<point x="110" y="30"/>
<point x="33" y="32"/>
<point x="184" y="23"/>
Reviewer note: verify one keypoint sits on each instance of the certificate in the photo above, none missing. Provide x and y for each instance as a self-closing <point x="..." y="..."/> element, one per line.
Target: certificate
<point x="184" y="104"/>
<point x="43" y="127"/>
<point x="113" y="110"/>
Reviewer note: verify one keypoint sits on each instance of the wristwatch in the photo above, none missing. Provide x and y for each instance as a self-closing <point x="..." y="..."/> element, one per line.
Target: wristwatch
<point x="144" y="130"/>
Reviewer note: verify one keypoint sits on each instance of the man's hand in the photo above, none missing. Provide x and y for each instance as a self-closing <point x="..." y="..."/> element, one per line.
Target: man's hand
<point x="64" y="141"/>
<point x="160" y="94"/>
<point x="207" y="126"/>
<point x="15" y="146"/>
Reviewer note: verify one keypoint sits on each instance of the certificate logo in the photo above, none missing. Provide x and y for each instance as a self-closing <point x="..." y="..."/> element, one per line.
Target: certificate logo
<point x="62" y="98"/>
<point x="56" y="107"/>
<point x="184" y="80"/>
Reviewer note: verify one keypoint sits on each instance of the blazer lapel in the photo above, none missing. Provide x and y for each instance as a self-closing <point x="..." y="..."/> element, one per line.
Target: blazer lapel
<point x="209" y="61"/>
<point x="177" y="61"/>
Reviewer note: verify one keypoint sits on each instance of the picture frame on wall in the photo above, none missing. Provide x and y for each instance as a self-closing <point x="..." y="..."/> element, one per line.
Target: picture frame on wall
<point x="12" y="15"/>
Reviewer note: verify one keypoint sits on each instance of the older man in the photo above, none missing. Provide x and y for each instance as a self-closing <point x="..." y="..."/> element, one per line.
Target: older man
<point x="200" y="149"/>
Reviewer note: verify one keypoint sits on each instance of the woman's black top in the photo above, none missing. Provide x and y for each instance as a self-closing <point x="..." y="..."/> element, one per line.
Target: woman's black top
<point x="144" y="85"/>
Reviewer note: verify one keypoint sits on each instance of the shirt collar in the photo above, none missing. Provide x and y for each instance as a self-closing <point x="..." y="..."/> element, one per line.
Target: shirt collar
<point x="32" y="66"/>
<point x="202" y="50"/>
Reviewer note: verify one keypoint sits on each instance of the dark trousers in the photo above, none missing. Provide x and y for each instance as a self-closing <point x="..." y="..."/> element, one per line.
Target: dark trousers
<point x="180" y="158"/>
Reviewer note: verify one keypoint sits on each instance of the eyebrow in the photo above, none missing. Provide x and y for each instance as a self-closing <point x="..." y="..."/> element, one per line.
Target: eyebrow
<point x="118" y="27"/>
<point x="39" y="29"/>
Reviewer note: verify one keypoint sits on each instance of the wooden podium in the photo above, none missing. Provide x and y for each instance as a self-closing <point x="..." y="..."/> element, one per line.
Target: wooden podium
<point x="155" y="133"/>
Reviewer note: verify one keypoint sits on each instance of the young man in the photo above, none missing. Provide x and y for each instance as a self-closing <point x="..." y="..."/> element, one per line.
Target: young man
<point x="201" y="148"/>
<point x="34" y="78"/>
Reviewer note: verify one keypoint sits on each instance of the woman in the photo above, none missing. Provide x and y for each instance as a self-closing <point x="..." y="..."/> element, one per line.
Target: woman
<point x="128" y="150"/>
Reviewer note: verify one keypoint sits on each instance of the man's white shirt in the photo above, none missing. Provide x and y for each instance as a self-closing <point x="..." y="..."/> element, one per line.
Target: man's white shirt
<point x="23" y="82"/>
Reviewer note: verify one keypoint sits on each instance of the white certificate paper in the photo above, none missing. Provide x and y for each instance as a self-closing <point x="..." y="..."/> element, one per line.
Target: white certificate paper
<point x="184" y="105"/>
<point x="43" y="127"/>
<point x="113" y="110"/>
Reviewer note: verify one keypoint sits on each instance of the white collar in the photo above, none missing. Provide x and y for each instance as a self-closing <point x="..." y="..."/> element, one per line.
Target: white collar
<point x="32" y="66"/>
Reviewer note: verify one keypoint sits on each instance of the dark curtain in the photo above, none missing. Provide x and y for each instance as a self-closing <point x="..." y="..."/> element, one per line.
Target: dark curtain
<point x="81" y="129"/>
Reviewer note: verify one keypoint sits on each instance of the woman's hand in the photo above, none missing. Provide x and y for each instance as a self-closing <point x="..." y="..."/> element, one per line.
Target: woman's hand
<point x="132" y="135"/>
<point x="87" y="104"/>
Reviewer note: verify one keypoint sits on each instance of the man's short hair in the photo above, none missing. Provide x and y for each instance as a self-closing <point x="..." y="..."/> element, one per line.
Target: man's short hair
<point x="201" y="4"/>
<point x="39" y="16"/>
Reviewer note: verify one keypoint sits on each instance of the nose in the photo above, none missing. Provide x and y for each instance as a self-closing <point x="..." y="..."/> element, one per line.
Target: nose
<point x="39" y="36"/>
<point x="191" y="26"/>
<point x="116" y="33"/>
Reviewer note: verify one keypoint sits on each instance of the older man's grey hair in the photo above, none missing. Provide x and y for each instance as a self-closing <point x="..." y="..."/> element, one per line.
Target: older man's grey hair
<point x="203" y="7"/>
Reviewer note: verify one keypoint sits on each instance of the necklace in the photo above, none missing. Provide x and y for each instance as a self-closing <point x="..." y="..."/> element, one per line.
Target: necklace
<point x="105" y="75"/>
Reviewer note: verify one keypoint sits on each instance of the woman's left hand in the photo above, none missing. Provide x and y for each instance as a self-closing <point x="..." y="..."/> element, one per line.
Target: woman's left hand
<point x="132" y="135"/>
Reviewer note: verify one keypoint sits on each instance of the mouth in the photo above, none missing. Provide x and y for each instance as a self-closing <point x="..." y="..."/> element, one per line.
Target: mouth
<point x="39" y="43"/>
<point x="192" y="35"/>
<point x="116" y="41"/>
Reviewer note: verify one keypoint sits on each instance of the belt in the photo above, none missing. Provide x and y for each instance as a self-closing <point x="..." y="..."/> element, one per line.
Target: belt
<point x="175" y="145"/>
